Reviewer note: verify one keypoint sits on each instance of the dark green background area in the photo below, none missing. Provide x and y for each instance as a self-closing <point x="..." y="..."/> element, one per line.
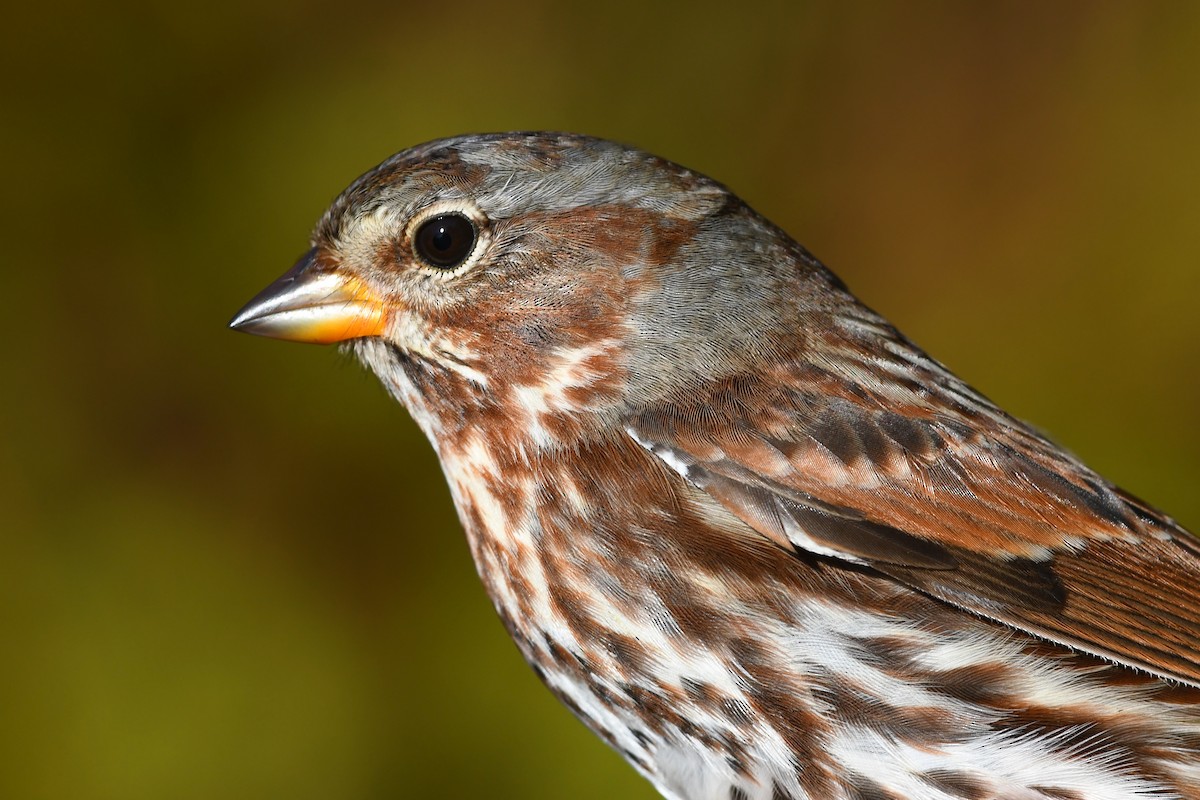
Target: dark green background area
<point x="229" y="567"/>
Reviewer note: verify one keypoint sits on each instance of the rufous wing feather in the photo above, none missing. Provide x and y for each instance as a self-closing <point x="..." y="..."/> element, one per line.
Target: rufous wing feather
<point x="964" y="504"/>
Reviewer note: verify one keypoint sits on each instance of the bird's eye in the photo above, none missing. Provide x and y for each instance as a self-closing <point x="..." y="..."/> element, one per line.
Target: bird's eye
<point x="445" y="241"/>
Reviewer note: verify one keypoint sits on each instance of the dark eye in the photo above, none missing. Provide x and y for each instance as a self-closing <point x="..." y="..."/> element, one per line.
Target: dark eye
<point x="445" y="241"/>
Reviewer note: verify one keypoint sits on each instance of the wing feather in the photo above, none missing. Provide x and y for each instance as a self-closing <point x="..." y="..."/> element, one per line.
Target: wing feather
<point x="936" y="488"/>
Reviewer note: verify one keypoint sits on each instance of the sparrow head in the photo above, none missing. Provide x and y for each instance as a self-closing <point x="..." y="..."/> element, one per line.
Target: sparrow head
<point x="551" y="271"/>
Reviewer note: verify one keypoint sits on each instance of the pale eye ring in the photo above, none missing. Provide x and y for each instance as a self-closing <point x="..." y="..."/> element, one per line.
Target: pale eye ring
<point x="445" y="241"/>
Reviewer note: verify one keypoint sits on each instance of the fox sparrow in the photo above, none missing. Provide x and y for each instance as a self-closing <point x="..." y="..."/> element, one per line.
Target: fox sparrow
<point x="755" y="538"/>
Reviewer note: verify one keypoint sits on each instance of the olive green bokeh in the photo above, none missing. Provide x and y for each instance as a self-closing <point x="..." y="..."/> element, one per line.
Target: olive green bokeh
<point x="229" y="566"/>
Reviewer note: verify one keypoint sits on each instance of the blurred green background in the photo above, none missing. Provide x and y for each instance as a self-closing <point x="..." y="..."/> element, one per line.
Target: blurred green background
<point x="229" y="566"/>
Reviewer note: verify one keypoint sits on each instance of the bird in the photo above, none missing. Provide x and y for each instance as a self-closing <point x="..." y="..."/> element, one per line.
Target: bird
<point x="756" y="539"/>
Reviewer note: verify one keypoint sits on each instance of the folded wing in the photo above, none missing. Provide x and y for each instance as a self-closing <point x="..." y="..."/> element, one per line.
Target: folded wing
<point x="927" y="482"/>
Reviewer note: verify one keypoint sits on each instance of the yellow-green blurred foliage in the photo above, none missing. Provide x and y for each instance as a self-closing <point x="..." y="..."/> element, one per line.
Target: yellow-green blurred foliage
<point x="229" y="566"/>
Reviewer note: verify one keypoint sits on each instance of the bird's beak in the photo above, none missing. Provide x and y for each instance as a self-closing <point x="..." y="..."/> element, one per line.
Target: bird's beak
<point x="311" y="303"/>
